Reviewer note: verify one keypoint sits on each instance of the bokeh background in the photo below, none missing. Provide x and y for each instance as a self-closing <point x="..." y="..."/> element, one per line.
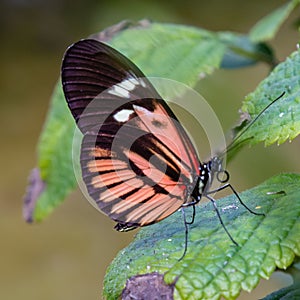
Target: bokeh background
<point x="65" y="256"/>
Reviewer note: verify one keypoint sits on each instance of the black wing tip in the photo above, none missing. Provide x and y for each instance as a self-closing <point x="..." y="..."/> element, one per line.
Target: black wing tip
<point x="88" y="46"/>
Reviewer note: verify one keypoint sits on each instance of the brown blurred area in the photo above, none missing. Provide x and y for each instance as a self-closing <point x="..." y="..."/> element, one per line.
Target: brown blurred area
<point x="65" y="256"/>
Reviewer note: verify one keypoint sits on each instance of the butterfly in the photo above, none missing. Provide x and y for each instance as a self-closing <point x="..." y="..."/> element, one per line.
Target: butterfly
<point x="137" y="161"/>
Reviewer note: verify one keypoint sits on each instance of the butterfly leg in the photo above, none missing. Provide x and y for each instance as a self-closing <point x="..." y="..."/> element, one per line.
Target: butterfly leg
<point x="228" y="185"/>
<point x="186" y="225"/>
<point x="219" y="216"/>
<point x="193" y="216"/>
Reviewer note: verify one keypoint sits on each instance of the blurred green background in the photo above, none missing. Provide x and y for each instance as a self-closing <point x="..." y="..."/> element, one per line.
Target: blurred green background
<point x="65" y="257"/>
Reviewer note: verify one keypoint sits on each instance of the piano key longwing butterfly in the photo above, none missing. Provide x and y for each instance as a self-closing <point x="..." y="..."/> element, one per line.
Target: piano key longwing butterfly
<point x="137" y="161"/>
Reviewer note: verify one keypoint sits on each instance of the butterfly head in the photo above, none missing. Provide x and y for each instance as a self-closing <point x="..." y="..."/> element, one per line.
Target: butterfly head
<point x="209" y="171"/>
<point x="217" y="170"/>
<point x="215" y="165"/>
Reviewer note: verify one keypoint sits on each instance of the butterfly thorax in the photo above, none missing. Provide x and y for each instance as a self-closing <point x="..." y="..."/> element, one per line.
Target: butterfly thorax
<point x="207" y="172"/>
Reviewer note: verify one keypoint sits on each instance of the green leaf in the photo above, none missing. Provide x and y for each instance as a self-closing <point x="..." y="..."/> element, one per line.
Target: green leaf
<point x="267" y="27"/>
<point x="281" y="121"/>
<point x="186" y="53"/>
<point x="170" y="51"/>
<point x="55" y="156"/>
<point x="242" y="52"/>
<point x="214" y="266"/>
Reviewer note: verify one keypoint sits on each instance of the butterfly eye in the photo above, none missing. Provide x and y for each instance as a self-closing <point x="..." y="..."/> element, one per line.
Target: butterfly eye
<point x="223" y="176"/>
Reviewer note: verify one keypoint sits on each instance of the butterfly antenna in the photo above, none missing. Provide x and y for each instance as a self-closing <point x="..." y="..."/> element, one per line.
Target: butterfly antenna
<point x="233" y="143"/>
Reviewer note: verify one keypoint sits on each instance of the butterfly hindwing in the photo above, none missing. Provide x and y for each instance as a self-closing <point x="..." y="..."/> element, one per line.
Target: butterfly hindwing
<point x="137" y="161"/>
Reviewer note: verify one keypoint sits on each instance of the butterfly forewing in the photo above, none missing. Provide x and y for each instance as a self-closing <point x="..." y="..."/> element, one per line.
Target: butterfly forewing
<point x="137" y="161"/>
<point x="89" y="68"/>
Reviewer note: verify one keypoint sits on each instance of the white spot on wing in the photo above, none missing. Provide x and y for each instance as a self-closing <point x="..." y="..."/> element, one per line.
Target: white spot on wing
<point x="123" y="88"/>
<point x="128" y="84"/>
<point x="123" y="115"/>
<point x="141" y="109"/>
<point x="133" y="80"/>
<point x="119" y="91"/>
<point x="142" y="82"/>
